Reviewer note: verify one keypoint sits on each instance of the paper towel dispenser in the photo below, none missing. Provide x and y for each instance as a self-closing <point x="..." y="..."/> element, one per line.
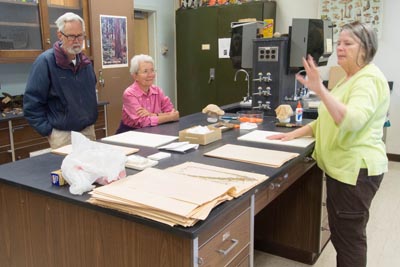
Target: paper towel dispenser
<point x="241" y="49"/>
<point x="310" y="37"/>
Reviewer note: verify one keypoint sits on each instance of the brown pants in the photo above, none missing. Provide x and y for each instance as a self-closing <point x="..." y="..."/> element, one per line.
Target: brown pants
<point x="348" y="214"/>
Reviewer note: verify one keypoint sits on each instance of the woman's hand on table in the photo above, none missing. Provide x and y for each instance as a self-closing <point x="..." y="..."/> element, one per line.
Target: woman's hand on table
<point x="281" y="136"/>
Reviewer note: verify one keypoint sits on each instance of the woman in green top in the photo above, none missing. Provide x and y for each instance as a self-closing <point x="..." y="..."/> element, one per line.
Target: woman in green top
<point x="348" y="139"/>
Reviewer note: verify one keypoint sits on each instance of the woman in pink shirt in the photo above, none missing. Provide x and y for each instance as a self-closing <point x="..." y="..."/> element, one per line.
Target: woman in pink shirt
<point x="145" y="104"/>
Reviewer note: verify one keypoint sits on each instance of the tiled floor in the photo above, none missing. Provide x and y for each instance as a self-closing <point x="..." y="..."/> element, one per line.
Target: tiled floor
<point x="383" y="230"/>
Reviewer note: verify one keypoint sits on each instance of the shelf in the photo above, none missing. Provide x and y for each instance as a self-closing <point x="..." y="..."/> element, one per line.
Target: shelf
<point x="13" y="2"/>
<point x="19" y="24"/>
<point x="34" y="20"/>
<point x="65" y="7"/>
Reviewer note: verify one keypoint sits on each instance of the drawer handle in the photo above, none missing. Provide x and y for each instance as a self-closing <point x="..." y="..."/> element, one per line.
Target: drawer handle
<point x="272" y="186"/>
<point x="308" y="159"/>
<point x="235" y="242"/>
<point x="284" y="178"/>
<point x="17" y="128"/>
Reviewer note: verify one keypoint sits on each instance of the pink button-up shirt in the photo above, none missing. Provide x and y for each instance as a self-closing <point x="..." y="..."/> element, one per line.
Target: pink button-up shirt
<point x="154" y="101"/>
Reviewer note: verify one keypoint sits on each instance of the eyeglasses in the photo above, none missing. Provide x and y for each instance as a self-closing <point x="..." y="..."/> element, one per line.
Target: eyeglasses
<point x="147" y="72"/>
<point x="72" y="37"/>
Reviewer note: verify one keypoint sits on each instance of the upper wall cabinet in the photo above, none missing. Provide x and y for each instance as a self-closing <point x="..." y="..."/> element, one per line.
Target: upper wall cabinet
<point x="27" y="27"/>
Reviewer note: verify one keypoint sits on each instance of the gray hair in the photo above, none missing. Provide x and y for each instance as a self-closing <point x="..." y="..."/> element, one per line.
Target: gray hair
<point x="136" y="60"/>
<point x="367" y="36"/>
<point x="68" y="17"/>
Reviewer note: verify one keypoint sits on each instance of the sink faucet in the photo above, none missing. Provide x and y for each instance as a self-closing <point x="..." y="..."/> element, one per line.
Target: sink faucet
<point x="295" y="86"/>
<point x="247" y="78"/>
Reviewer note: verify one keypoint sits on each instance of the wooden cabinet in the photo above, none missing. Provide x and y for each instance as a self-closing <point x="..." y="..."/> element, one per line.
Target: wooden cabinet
<point x="228" y="246"/>
<point x="100" y="126"/>
<point x="292" y="204"/>
<point x="5" y="144"/>
<point x="18" y="139"/>
<point x="110" y="240"/>
<point x="27" y="27"/>
<point x="25" y="139"/>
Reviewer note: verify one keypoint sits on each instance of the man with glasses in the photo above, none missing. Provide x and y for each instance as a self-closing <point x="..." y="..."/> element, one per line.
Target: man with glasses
<point x="60" y="94"/>
<point x="145" y="104"/>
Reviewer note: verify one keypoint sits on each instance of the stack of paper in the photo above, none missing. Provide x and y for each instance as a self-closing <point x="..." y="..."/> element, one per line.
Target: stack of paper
<point x="166" y="197"/>
<point x="181" y="147"/>
<point x="240" y="181"/>
<point x="180" y="195"/>
<point x="140" y="138"/>
<point x="139" y="163"/>
<point x="259" y="156"/>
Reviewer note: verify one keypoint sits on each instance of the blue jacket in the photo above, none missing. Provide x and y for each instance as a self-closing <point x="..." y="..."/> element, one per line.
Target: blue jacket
<point x="60" y="95"/>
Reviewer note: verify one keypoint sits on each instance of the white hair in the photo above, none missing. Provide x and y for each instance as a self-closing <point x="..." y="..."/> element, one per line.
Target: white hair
<point x="136" y="60"/>
<point x="68" y="17"/>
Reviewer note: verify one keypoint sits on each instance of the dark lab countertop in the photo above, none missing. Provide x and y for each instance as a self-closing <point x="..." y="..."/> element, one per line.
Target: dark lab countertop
<point x="16" y="115"/>
<point x="34" y="173"/>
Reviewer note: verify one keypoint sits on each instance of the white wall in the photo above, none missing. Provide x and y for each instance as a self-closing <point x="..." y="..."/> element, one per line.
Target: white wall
<point x="288" y="9"/>
<point x="387" y="57"/>
<point x="13" y="78"/>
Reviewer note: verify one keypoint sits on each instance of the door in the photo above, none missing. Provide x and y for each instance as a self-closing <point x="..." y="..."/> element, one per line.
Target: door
<point x="141" y="32"/>
<point x="117" y="79"/>
<point x="196" y="46"/>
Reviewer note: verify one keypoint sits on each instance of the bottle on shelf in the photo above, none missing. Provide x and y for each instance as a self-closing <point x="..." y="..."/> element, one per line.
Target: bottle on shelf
<point x="299" y="112"/>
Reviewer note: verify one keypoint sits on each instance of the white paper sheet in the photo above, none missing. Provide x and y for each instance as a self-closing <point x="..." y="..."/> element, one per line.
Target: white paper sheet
<point x="224" y="45"/>
<point x="261" y="137"/>
<point x="66" y="150"/>
<point x="252" y="155"/>
<point x="179" y="146"/>
<point x="140" y="138"/>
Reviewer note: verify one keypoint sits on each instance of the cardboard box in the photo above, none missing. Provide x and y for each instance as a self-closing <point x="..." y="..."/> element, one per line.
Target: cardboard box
<point x="201" y="139"/>
<point x="268" y="30"/>
<point x="57" y="178"/>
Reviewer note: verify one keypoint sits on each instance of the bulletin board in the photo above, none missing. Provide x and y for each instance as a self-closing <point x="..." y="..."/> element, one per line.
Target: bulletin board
<point x="341" y="12"/>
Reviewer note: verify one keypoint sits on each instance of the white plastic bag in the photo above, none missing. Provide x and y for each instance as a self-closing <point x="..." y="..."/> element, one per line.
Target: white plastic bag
<point x="91" y="162"/>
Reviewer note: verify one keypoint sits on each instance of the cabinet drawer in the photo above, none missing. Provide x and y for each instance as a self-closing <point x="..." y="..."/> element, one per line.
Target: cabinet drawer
<point x="5" y="155"/>
<point x="100" y="126"/>
<point x="100" y="133"/>
<point x="23" y="133"/>
<point x="278" y="185"/>
<point x="242" y="259"/>
<point x="221" y="249"/>
<point x="101" y="122"/>
<point x="4" y="134"/>
<point x="23" y="152"/>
